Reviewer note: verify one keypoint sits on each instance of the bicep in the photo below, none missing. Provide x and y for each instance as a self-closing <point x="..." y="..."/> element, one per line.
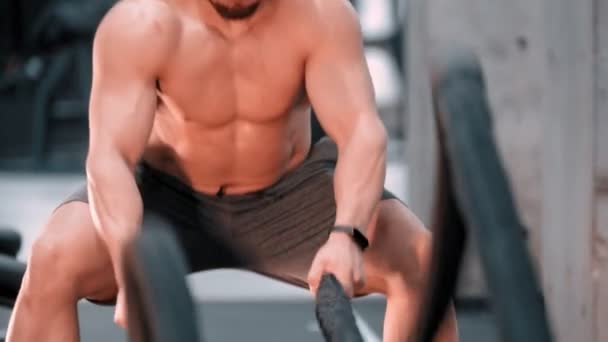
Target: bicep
<point x="338" y="82"/>
<point x="123" y="95"/>
<point x="121" y="114"/>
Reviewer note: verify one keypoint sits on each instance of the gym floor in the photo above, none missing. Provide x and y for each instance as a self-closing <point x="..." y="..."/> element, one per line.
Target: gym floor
<point x="233" y="305"/>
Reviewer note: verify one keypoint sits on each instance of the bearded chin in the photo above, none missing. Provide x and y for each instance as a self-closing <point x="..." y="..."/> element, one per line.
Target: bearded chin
<point x="235" y="12"/>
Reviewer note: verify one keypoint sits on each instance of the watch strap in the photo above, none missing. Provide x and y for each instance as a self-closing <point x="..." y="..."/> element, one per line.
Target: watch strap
<point x="356" y="234"/>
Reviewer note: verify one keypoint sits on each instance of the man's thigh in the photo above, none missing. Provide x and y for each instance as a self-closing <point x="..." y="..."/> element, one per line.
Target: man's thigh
<point x="195" y="226"/>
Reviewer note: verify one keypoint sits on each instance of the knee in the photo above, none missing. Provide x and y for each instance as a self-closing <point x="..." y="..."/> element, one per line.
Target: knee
<point x="403" y="247"/>
<point x="423" y="247"/>
<point x="51" y="266"/>
<point x="412" y="265"/>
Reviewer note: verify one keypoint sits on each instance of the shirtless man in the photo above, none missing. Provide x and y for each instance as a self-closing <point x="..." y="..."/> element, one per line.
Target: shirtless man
<point x="200" y="112"/>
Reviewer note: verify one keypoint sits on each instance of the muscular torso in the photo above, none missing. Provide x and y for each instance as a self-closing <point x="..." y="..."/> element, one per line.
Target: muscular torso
<point x="232" y="110"/>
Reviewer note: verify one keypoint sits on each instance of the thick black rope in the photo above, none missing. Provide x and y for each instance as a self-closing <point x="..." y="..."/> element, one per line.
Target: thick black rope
<point x="482" y="192"/>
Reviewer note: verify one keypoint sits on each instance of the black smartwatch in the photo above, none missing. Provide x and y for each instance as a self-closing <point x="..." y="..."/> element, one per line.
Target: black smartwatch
<point x="358" y="237"/>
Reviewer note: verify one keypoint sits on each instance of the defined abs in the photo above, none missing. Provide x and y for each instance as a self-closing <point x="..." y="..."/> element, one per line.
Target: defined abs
<point x="239" y="161"/>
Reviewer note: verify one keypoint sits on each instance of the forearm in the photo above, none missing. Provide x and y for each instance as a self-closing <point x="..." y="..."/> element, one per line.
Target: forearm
<point x="115" y="202"/>
<point x="359" y="176"/>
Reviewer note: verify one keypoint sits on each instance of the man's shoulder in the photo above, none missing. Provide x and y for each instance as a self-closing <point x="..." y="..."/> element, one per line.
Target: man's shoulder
<point x="325" y="18"/>
<point x="328" y="21"/>
<point x="326" y="12"/>
<point x="139" y="33"/>
<point x="140" y="20"/>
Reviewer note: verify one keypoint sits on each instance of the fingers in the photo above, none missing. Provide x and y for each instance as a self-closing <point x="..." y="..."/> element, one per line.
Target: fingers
<point x="314" y="275"/>
<point x="344" y="263"/>
<point x="351" y="277"/>
<point x="317" y="271"/>
<point x="120" y="312"/>
<point x="346" y="280"/>
<point x="358" y="279"/>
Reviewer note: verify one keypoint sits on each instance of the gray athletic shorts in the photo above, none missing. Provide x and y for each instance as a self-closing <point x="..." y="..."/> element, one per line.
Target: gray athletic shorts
<point x="275" y="232"/>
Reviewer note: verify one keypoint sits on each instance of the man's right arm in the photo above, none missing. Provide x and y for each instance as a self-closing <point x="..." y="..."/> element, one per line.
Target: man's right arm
<point x="131" y="45"/>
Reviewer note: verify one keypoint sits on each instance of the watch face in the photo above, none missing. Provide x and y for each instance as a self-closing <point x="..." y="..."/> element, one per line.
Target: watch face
<point x="356" y="235"/>
<point x="360" y="239"/>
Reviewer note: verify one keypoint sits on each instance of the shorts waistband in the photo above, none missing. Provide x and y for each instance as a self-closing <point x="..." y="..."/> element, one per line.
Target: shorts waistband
<point x="321" y="153"/>
<point x="148" y="173"/>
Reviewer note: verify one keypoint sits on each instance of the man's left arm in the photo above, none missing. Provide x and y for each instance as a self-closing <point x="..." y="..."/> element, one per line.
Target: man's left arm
<point x="340" y="89"/>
